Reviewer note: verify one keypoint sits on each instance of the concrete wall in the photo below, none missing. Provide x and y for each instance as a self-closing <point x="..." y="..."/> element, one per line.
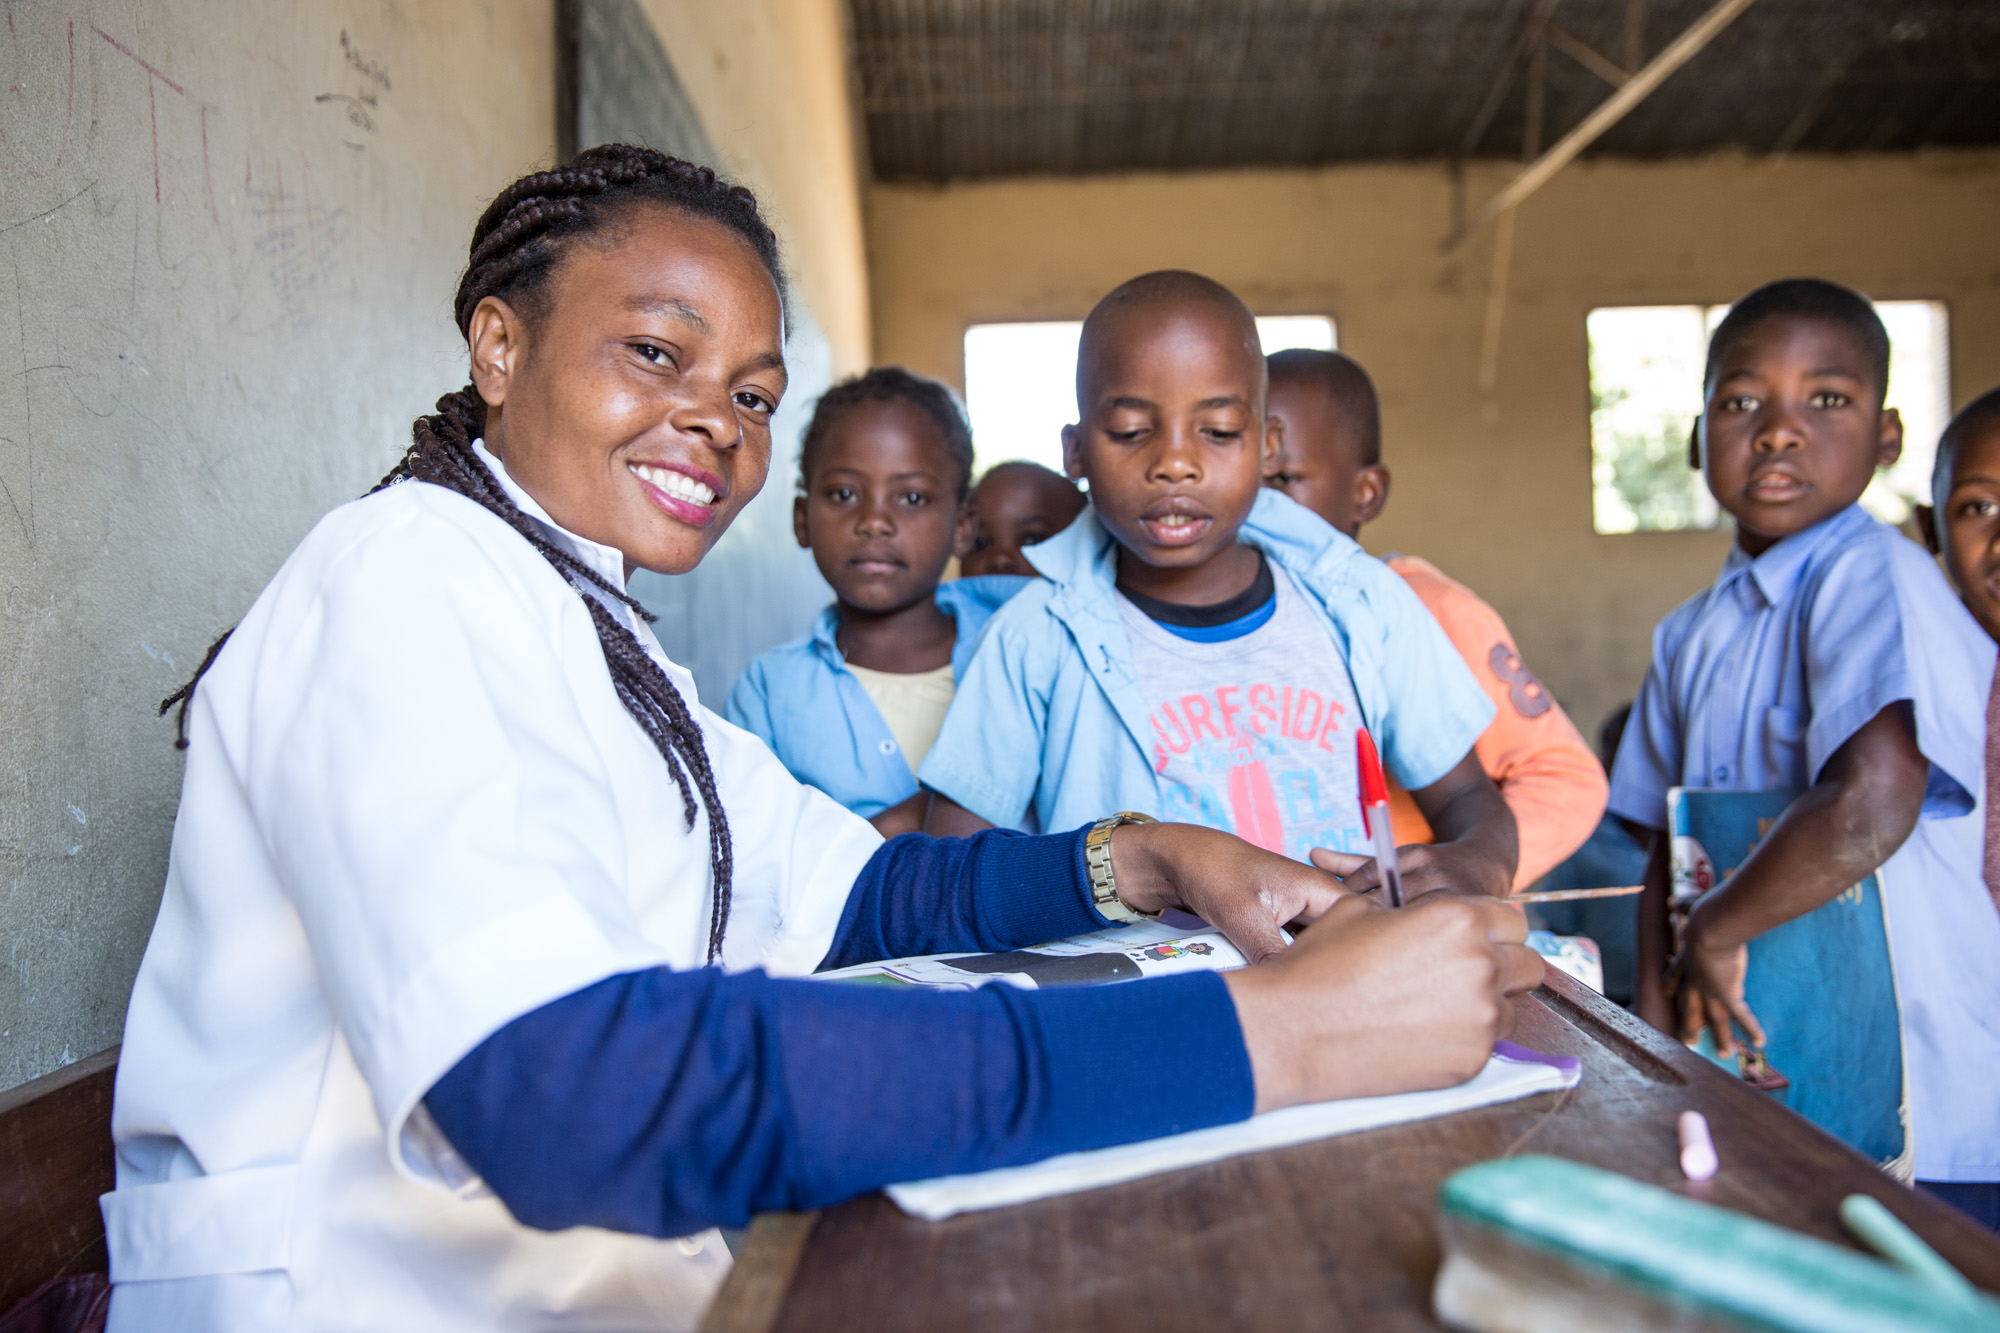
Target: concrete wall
<point x="1495" y="487"/>
<point x="229" y="233"/>
<point x="768" y="81"/>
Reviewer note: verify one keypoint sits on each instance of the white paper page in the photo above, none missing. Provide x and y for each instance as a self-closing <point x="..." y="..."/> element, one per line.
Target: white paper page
<point x="1118" y="953"/>
<point x="1504" y="1079"/>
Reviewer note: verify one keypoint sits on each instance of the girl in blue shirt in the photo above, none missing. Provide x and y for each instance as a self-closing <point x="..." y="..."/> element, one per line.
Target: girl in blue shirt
<point x="885" y="473"/>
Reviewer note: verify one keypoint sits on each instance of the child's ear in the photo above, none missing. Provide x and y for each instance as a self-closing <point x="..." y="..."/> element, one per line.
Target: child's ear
<point x="1892" y="438"/>
<point x="961" y="543"/>
<point x="1371" y="493"/>
<point x="1694" y="443"/>
<point x="800" y="529"/>
<point x="497" y="339"/>
<point x="1274" y="443"/>
<point x="1072" y="437"/>
<point x="1925" y="518"/>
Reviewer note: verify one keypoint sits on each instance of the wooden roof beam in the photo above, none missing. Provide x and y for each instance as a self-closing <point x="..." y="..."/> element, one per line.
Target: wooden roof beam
<point x="1612" y="110"/>
<point x="1587" y="56"/>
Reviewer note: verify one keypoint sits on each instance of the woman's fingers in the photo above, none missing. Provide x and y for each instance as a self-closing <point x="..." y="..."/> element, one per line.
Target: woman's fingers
<point x="1250" y="921"/>
<point x="1521" y="969"/>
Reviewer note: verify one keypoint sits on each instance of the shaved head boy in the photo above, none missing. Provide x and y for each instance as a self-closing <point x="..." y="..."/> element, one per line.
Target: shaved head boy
<point x="1204" y="650"/>
<point x="1328" y="457"/>
<point x="1017" y="505"/>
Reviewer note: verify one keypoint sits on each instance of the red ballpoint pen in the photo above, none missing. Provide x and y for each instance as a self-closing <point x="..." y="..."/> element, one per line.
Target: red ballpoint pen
<point x="1375" y="816"/>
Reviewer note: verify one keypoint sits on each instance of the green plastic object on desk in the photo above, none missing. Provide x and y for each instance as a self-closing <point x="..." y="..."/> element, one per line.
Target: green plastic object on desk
<point x="1537" y="1243"/>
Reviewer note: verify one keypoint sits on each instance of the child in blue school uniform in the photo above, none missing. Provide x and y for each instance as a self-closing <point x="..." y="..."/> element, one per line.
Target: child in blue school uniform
<point x="1829" y="658"/>
<point x="1963" y="527"/>
<point x="1204" y="648"/>
<point x="851" y="708"/>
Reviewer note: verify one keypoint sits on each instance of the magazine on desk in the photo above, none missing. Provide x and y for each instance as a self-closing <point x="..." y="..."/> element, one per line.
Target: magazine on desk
<point x="1173" y="944"/>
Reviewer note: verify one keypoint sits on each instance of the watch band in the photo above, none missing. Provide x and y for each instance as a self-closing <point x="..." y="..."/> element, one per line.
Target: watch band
<point x="1097" y="861"/>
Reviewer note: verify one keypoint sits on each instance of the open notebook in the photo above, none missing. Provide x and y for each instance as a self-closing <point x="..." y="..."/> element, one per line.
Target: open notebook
<point x="1176" y="943"/>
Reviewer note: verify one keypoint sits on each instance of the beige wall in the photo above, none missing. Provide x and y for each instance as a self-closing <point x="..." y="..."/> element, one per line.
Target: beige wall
<point x="229" y="233"/>
<point x="770" y="78"/>
<point x="1494" y="487"/>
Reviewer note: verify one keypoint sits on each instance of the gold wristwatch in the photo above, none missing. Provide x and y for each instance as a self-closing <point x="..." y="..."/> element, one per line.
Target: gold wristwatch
<point x="1097" y="860"/>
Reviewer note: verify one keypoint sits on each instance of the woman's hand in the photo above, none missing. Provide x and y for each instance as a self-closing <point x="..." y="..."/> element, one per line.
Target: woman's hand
<point x="1247" y="893"/>
<point x="1370" y="1001"/>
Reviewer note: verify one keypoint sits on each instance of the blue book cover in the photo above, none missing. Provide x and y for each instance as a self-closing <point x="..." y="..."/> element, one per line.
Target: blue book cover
<point x="1822" y="985"/>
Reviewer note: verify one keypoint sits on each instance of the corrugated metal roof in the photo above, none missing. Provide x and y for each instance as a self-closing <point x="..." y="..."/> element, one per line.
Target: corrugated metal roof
<point x="955" y="89"/>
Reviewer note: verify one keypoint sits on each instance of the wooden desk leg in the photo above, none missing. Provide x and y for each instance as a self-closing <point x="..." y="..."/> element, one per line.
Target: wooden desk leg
<point x="754" y="1292"/>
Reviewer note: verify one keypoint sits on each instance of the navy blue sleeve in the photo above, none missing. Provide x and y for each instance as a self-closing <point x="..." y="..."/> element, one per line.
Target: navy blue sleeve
<point x="664" y="1102"/>
<point x="995" y="890"/>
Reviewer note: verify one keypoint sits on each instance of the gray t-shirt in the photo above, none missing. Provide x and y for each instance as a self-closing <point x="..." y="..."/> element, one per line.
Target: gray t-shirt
<point x="1254" y="735"/>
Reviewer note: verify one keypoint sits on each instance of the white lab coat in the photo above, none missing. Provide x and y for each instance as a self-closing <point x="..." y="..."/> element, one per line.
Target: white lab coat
<point x="414" y="810"/>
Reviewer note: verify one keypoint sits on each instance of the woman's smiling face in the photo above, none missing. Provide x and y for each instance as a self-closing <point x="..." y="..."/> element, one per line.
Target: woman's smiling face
<point x="633" y="397"/>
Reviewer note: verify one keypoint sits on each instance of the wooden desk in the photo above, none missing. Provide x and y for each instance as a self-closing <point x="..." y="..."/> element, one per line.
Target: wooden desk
<point x="1335" y="1234"/>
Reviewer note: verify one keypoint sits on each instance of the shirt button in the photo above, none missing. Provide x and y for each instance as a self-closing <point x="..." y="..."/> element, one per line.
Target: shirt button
<point x="1722" y="773"/>
<point x="690" y="1245"/>
<point x="887" y="747"/>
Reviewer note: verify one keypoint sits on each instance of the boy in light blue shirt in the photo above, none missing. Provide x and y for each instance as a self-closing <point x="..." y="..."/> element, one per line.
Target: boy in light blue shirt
<point x="1205" y="648"/>
<point x="884" y="473"/>
<point x="1830" y="658"/>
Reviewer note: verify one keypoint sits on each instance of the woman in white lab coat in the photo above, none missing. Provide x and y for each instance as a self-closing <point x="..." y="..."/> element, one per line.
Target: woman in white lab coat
<point x="469" y="1002"/>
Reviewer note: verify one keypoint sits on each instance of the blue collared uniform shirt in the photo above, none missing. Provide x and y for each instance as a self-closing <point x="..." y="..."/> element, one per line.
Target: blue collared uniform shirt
<point x="804" y="703"/>
<point x="1757" y="680"/>
<point x="1048" y="718"/>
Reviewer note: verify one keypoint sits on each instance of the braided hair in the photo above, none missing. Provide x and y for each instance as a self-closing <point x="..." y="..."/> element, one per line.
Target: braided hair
<point x="518" y="243"/>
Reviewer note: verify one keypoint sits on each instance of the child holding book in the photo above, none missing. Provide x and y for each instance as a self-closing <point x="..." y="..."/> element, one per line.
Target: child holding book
<point x="1014" y="505"/>
<point x="1329" y="459"/>
<point x="852" y="707"/>
<point x="1828" y="658"/>
<point x="1204" y="648"/>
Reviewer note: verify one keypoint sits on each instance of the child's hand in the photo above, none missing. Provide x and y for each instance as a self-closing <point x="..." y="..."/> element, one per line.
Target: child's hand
<point x="1426" y="868"/>
<point x="1710" y="981"/>
<point x="1370" y="1001"/>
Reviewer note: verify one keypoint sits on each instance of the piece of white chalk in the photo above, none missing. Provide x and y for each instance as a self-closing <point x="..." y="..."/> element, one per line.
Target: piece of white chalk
<point x="1698" y="1159"/>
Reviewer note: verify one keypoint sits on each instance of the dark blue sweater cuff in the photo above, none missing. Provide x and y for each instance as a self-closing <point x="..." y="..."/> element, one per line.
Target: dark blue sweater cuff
<point x="1036" y="889"/>
<point x="1115" y="1045"/>
<point x="995" y="890"/>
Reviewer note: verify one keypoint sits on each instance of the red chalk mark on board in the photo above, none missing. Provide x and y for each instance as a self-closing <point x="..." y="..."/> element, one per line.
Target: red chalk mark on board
<point x="138" y="59"/>
<point x="152" y="106"/>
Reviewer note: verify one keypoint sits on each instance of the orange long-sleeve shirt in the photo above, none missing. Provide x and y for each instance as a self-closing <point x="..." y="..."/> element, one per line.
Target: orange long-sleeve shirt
<point x="1532" y="751"/>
